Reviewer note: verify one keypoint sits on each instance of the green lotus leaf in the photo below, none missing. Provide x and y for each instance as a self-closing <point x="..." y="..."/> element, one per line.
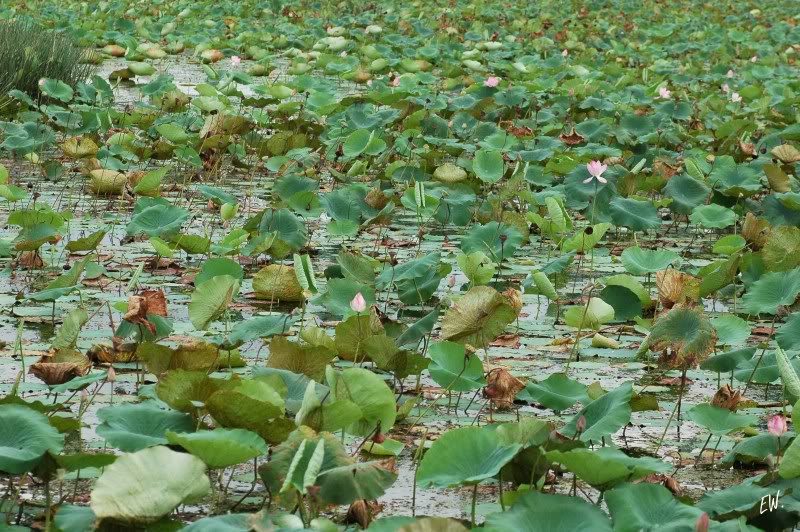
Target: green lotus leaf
<point x="355" y="143"/>
<point x="341" y="480"/>
<point x="733" y="501"/>
<point x="464" y="455"/>
<point x="625" y="303"/>
<point x="731" y="329"/>
<point x="635" y="507"/>
<point x="367" y="391"/>
<point x="756" y="449"/>
<point x="639" y="261"/>
<point x="790" y="465"/>
<point x="359" y="481"/>
<point x="454" y="370"/>
<point x="686" y="193"/>
<point x="194" y="356"/>
<point x="633" y="285"/>
<point x="636" y="215"/>
<point x="607" y="467"/>
<point x="537" y="512"/>
<point x="586" y="239"/>
<point x="478" y="317"/>
<point x="144" y="486"/>
<point x="329" y="417"/>
<point x="478" y="268"/>
<point x="253" y="405"/>
<point x="488" y="165"/>
<point x="496" y="240"/>
<point x="772" y="291"/>
<point x="449" y="173"/>
<point x="133" y="427"/>
<point x="305" y="359"/>
<point x="218" y="266"/>
<point x="211" y="298"/>
<point x="788" y="335"/>
<point x="687" y="332"/>
<point x="719" y="421"/>
<point x="220" y="448"/>
<point x="713" y="216"/>
<point x="25" y="436"/>
<point x="603" y="416"/>
<point x="74" y="518"/>
<point x="557" y="392"/>
<point x="87" y="243"/>
<point x="734" y="180"/>
<point x="259" y="327"/>
<point x="590" y="316"/>
<point x="339" y="294"/>
<point x="290" y="231"/>
<point x="157" y="219"/>
<point x="730" y="244"/>
<point x="729" y="361"/>
<point x="782" y="249"/>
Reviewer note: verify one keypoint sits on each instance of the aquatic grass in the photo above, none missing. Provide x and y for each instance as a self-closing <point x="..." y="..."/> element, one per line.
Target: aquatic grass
<point x="30" y="52"/>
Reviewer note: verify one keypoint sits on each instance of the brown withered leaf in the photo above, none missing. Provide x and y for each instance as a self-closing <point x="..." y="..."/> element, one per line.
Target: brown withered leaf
<point x="30" y="260"/>
<point x="376" y="199"/>
<point x="747" y="148"/>
<point x="52" y="373"/>
<point x="677" y="288"/>
<point x="572" y="138"/>
<point x="668" y="482"/>
<point x="665" y="169"/>
<point x="506" y="340"/>
<point x="148" y="302"/>
<point x="673" y="381"/>
<point x="755" y="231"/>
<point x="362" y="513"/>
<point x="107" y="354"/>
<point x="137" y="313"/>
<point x="501" y="388"/>
<point x="156" y="302"/>
<point x="727" y="398"/>
<point x="786" y="153"/>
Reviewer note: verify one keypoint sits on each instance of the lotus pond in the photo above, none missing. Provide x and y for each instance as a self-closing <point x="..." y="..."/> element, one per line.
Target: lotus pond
<point x="418" y="266"/>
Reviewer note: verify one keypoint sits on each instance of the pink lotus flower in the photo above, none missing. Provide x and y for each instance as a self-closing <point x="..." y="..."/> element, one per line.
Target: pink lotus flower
<point x="777" y="425"/>
<point x="596" y="169"/>
<point x="111" y="375"/>
<point x="726" y="88"/>
<point x="369" y="83"/>
<point x="491" y="81"/>
<point x="564" y="52"/>
<point x="702" y="523"/>
<point x="664" y="93"/>
<point x="730" y="74"/>
<point x="358" y="304"/>
<point x="236" y="60"/>
<point x="396" y="82"/>
<point x="735" y="97"/>
<point x="41" y="82"/>
<point x="581" y="424"/>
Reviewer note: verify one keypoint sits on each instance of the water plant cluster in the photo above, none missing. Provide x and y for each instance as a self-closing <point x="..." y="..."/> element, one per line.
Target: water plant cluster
<point x="427" y="265"/>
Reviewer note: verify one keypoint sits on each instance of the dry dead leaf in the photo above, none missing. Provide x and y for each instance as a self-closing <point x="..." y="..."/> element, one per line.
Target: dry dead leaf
<point x="52" y="373"/>
<point x="676" y="288"/>
<point x="501" y="388"/>
<point x="727" y="398"/>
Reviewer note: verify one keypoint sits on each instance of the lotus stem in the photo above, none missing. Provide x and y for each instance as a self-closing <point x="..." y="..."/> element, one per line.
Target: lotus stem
<point x="474" y="503"/>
